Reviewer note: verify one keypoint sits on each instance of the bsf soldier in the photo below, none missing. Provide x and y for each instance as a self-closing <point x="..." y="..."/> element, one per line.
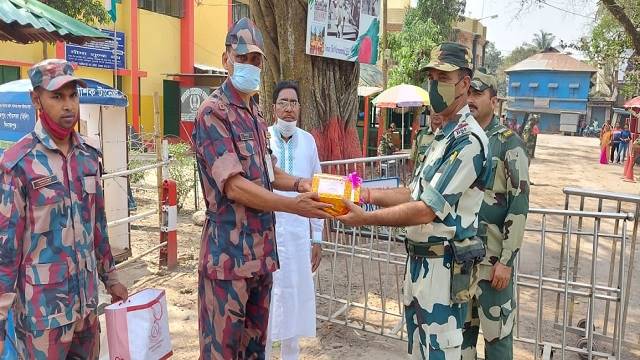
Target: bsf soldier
<point x="238" y="251"/>
<point x="53" y="228"/>
<point x="530" y="135"/>
<point x="440" y="209"/>
<point x="502" y="222"/>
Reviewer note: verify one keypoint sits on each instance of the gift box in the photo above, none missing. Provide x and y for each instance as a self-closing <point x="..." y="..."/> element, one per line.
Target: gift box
<point x="332" y="189"/>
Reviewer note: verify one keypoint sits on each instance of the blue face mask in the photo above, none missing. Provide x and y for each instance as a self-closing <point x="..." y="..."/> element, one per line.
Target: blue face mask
<point x="246" y="78"/>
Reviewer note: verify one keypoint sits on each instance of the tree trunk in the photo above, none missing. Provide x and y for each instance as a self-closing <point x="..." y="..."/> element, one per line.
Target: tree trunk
<point x="328" y="88"/>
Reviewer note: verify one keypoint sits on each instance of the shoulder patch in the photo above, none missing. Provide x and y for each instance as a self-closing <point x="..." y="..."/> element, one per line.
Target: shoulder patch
<point x="506" y="133"/>
<point x="17" y="151"/>
<point x="461" y="130"/>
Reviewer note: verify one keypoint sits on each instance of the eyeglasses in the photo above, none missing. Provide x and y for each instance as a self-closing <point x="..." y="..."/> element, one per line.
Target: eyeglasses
<point x="286" y="103"/>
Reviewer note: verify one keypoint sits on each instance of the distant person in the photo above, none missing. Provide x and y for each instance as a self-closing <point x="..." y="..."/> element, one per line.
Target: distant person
<point x="623" y="146"/>
<point x="615" y="142"/>
<point x="605" y="142"/>
<point x="530" y="135"/>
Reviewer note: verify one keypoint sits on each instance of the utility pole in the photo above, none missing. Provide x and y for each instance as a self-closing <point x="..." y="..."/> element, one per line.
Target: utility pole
<point x="385" y="64"/>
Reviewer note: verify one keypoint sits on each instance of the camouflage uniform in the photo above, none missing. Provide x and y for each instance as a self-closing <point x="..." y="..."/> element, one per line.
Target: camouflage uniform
<point x="238" y="251"/>
<point x="386" y="146"/>
<point x="529" y="137"/>
<point x="450" y="182"/>
<point x="421" y="144"/>
<point x="53" y="238"/>
<point x="502" y="222"/>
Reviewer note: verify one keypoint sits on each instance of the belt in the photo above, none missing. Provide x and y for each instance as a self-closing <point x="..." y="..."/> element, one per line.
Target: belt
<point x="426" y="250"/>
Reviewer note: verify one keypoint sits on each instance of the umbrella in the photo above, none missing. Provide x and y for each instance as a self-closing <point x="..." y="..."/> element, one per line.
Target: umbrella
<point x="633" y="103"/>
<point x="402" y="96"/>
<point x="27" y="21"/>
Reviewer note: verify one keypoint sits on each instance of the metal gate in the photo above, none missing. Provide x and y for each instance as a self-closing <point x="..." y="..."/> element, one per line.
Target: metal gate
<point x="573" y="277"/>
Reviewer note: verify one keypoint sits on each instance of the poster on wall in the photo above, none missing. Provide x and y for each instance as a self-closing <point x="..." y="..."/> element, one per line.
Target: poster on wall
<point x="344" y="29"/>
<point x="190" y="101"/>
<point x="16" y="121"/>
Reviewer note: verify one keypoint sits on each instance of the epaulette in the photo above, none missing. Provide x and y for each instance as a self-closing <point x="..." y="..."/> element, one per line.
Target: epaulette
<point x="17" y="151"/>
<point x="93" y="142"/>
<point x="506" y="133"/>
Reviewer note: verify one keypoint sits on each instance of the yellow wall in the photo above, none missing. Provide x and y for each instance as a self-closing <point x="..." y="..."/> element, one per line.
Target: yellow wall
<point x="159" y="51"/>
<point x="211" y="25"/>
<point x="159" y="54"/>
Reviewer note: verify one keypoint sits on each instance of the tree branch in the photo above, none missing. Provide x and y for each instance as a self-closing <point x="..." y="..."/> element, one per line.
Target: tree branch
<point x="619" y="13"/>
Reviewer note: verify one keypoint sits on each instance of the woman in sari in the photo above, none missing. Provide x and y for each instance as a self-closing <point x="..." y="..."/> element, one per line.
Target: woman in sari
<point x="605" y="141"/>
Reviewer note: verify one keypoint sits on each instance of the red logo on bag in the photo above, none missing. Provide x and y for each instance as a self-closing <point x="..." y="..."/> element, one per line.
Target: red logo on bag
<point x="157" y="312"/>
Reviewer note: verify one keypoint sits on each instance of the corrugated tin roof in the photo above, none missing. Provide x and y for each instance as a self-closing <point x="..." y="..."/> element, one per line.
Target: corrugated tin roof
<point x="552" y="61"/>
<point x="26" y="21"/>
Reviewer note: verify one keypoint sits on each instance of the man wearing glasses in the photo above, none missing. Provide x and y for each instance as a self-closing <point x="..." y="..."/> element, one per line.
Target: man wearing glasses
<point x="238" y="173"/>
<point x="293" y="303"/>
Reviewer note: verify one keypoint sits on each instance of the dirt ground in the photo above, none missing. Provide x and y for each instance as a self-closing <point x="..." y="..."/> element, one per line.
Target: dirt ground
<point x="560" y="162"/>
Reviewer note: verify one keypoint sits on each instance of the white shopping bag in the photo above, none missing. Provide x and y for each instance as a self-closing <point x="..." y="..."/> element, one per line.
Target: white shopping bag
<point x="138" y="329"/>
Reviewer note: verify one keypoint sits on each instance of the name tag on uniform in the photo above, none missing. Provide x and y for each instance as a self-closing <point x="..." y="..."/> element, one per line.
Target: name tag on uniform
<point x="45" y="181"/>
<point x="246" y="136"/>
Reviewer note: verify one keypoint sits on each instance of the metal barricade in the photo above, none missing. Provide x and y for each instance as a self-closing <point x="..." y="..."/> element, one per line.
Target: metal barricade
<point x="592" y="292"/>
<point x="584" y="199"/>
<point x="373" y="167"/>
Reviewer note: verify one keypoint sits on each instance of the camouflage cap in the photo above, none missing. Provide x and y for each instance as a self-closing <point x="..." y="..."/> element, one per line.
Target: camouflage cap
<point x="482" y="81"/>
<point x="244" y="37"/>
<point x="449" y="56"/>
<point x="52" y="74"/>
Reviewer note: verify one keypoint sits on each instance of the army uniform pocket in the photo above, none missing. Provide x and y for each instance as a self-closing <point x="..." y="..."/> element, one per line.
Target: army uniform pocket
<point x="47" y="207"/>
<point x="89" y="186"/>
<point x="446" y="339"/>
<point x="47" y="298"/>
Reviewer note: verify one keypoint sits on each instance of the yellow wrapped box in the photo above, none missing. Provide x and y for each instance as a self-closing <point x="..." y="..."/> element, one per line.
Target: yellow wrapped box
<point x="332" y="189"/>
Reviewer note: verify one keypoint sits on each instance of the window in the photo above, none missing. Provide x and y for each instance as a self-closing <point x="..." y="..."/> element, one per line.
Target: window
<point x="533" y="85"/>
<point x="9" y="73"/>
<point x="239" y="10"/>
<point x="553" y="85"/>
<point x="515" y="84"/>
<point x="574" y="86"/>
<point x="173" y="8"/>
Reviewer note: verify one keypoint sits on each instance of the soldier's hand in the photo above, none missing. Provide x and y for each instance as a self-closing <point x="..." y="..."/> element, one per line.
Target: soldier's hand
<point x="309" y="206"/>
<point x="118" y="292"/>
<point x="356" y="216"/>
<point x="500" y="276"/>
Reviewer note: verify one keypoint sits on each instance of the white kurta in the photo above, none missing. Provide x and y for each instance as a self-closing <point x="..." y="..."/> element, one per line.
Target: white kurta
<point x="293" y="305"/>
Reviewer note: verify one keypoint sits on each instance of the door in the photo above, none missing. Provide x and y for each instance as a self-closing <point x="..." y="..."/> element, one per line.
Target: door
<point x="171" y="107"/>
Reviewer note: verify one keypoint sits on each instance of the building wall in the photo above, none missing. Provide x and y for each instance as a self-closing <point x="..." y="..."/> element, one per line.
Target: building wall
<point x="159" y="52"/>
<point x="547" y="101"/>
<point x="465" y="31"/>
<point x="211" y="25"/>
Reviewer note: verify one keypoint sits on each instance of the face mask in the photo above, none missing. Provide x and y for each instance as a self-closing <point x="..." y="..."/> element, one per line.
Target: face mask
<point x="441" y="95"/>
<point x="246" y="78"/>
<point x="53" y="128"/>
<point x="286" y="128"/>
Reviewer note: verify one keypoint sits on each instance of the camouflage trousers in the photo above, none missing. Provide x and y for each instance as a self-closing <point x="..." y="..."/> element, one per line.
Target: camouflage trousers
<point x="492" y="310"/>
<point x="233" y="318"/>
<point x="434" y="324"/>
<point x="79" y="340"/>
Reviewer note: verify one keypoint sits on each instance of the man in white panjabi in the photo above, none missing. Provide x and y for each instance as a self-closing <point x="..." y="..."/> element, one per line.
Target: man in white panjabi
<point x="293" y="307"/>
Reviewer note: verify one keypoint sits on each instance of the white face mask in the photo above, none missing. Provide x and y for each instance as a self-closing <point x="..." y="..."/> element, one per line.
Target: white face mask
<point x="286" y="128"/>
